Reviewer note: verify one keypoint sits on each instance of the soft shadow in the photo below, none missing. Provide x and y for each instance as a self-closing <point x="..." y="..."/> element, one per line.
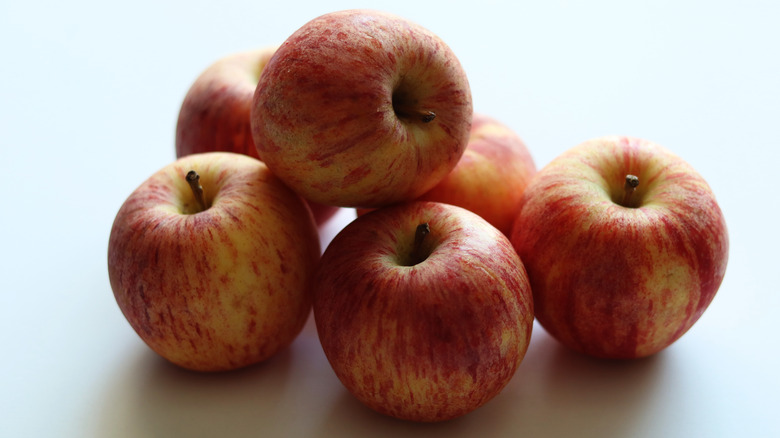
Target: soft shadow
<point x="168" y="401"/>
<point x="351" y="418"/>
<point x="557" y="392"/>
<point x="554" y="393"/>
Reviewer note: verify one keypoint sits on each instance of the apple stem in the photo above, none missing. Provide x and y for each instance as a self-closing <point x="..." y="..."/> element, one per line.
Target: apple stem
<point x="632" y="182"/>
<point x="424" y="116"/>
<point x="194" y="181"/>
<point x="418" y="255"/>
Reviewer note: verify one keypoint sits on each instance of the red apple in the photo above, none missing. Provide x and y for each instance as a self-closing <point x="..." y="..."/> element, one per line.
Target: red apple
<point x="625" y="247"/>
<point x="214" y="115"/>
<point x="490" y="177"/>
<point x="220" y="280"/>
<point x="361" y="108"/>
<point x="423" y="310"/>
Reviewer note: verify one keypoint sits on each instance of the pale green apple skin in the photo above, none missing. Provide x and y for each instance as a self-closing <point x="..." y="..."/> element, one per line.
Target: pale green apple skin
<point x="428" y="342"/>
<point x="222" y="288"/>
<point x="615" y="277"/>
<point x="326" y="118"/>
<point x="215" y="113"/>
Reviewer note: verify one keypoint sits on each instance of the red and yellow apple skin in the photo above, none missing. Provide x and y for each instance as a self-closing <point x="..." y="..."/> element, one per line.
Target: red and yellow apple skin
<point x="617" y="274"/>
<point x="220" y="288"/>
<point x="491" y="176"/>
<point x="429" y="341"/>
<point x="361" y="108"/>
<point x="214" y="115"/>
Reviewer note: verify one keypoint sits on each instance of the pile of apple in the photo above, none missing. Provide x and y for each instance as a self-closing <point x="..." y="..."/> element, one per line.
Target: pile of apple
<point x="424" y="304"/>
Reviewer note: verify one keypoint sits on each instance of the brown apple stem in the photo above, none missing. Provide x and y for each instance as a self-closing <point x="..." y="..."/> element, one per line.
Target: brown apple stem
<point x="418" y="254"/>
<point x="194" y="181"/>
<point x="632" y="182"/>
<point x="413" y="113"/>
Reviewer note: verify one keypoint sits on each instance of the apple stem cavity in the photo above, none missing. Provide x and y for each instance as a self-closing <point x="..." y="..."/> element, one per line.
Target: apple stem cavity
<point x="194" y="181"/>
<point x="418" y="252"/>
<point x="632" y="182"/>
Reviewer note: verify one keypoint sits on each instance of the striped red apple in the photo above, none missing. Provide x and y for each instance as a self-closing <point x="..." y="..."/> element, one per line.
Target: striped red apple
<point x="211" y="259"/>
<point x="362" y="108"/>
<point x="423" y="310"/>
<point x="625" y="247"/>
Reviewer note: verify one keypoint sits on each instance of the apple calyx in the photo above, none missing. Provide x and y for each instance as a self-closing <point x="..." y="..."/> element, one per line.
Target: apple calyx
<point x="632" y="182"/>
<point x="193" y="179"/>
<point x="418" y="252"/>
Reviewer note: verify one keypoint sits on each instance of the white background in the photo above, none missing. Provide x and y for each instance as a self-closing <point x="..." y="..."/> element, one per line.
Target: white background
<point x="89" y="95"/>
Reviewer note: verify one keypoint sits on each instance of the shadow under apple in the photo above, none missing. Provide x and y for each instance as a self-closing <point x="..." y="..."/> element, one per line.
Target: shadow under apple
<point x="351" y="418"/>
<point x="558" y="392"/>
<point x="555" y="392"/>
<point x="168" y="401"/>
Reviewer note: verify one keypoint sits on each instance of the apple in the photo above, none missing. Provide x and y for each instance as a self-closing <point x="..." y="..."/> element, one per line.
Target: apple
<point x="490" y="177"/>
<point x="423" y="309"/>
<point x="625" y="246"/>
<point x="362" y="108"/>
<point x="210" y="261"/>
<point x="214" y="115"/>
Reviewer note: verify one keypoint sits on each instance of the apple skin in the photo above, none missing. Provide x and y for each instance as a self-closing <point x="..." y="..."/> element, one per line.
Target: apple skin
<point x="427" y="342"/>
<point x="214" y="115"/>
<point x="217" y="289"/>
<point x="340" y="111"/>
<point x="490" y="177"/>
<point x="613" y="281"/>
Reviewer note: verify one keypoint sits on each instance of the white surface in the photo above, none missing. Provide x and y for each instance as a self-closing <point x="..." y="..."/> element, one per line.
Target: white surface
<point x="89" y="94"/>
